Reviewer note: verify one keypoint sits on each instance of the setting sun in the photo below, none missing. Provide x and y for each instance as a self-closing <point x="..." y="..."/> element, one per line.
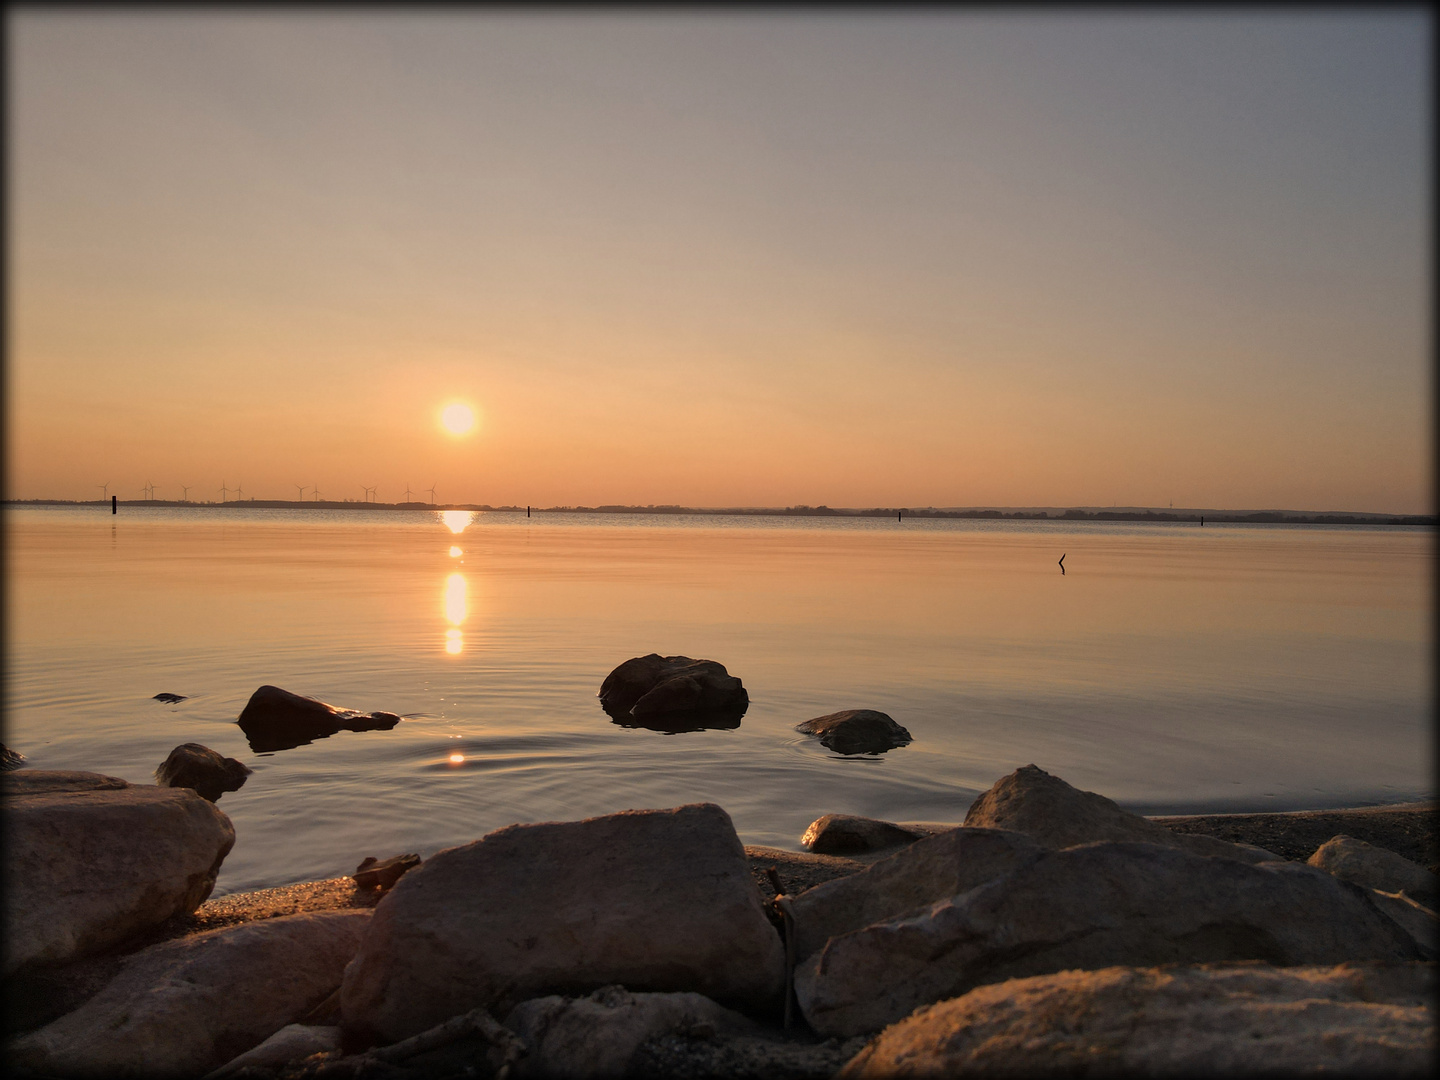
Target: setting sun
<point x="457" y="418"/>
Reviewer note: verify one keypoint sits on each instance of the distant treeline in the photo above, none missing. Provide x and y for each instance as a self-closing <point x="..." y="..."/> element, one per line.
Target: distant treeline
<point x="1285" y="517"/>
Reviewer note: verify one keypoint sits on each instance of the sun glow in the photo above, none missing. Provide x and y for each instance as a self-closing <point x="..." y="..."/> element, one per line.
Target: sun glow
<point x="457" y="418"/>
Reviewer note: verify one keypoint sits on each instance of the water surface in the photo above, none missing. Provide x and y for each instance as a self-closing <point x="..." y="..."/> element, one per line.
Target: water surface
<point x="1172" y="668"/>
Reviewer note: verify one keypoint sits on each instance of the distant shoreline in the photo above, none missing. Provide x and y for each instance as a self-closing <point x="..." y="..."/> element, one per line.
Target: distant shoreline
<point x="1219" y="517"/>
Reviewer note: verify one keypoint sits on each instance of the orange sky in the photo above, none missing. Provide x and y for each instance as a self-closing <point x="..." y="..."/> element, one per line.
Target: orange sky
<point x="732" y="259"/>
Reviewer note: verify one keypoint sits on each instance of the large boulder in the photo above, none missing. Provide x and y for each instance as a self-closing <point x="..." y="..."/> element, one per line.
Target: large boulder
<point x="927" y="871"/>
<point x="856" y="731"/>
<point x="655" y="900"/>
<point x="90" y="860"/>
<point x="184" y="1007"/>
<point x="1376" y="868"/>
<point x="1243" y="1020"/>
<point x="1093" y="906"/>
<point x="201" y="769"/>
<point x="597" y="1036"/>
<point x="847" y="834"/>
<point x="673" y="693"/>
<point x="1053" y="813"/>
<point x="291" y="1043"/>
<point x="275" y="719"/>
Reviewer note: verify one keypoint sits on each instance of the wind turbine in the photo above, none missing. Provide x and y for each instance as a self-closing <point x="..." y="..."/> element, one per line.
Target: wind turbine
<point x="431" y="489"/>
<point x="184" y="493"/>
<point x="105" y="487"/>
<point x="317" y="492"/>
<point x="301" y="489"/>
<point x="408" y="492"/>
<point x="224" y="491"/>
<point x="238" y="489"/>
<point x="147" y="489"/>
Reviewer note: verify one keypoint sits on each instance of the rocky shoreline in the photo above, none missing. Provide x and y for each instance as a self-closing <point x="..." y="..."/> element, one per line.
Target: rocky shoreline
<point x="653" y="943"/>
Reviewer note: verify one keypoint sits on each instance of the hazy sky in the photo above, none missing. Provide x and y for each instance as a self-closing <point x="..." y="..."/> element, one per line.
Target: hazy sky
<point x="734" y="258"/>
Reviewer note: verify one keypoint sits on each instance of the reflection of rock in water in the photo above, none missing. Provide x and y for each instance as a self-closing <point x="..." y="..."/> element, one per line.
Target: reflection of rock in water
<point x="194" y="766"/>
<point x="673" y="694"/>
<point x="275" y="719"/>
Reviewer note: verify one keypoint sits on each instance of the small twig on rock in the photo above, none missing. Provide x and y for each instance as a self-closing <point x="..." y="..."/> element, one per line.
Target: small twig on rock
<point x="322" y="1012"/>
<point x="773" y="873"/>
<point x="475" y="1022"/>
<point x="783" y="903"/>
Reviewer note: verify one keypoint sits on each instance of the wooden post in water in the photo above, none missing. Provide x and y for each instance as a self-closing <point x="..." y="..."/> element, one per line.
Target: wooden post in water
<point x="899" y="514"/>
<point x="527" y="511"/>
<point x="112" y="502"/>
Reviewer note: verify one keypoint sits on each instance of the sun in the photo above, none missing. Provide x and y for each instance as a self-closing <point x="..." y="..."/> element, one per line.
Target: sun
<point x="457" y="418"/>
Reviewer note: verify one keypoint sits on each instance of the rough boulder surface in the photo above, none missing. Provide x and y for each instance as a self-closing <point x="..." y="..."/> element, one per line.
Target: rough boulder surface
<point x="929" y="870"/>
<point x="856" y="731"/>
<point x="185" y="1007"/>
<point x="1093" y="906"/>
<point x="597" y="1036"/>
<point x="191" y="765"/>
<point x="846" y="834"/>
<point x="676" y="690"/>
<point x="1376" y="868"/>
<point x="90" y="860"/>
<point x="275" y="719"/>
<point x="10" y="759"/>
<point x="1053" y="813"/>
<point x="1241" y="1020"/>
<point x="654" y="900"/>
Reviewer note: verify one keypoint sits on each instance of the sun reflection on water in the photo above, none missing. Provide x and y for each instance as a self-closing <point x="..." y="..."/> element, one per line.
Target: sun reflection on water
<point x="456" y="520"/>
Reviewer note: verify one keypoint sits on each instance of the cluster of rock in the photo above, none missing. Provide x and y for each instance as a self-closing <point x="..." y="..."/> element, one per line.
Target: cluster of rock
<point x="1052" y="932"/>
<point x="275" y="719"/>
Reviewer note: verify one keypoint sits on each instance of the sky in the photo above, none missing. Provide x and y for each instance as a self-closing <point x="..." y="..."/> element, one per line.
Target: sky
<point x="737" y="258"/>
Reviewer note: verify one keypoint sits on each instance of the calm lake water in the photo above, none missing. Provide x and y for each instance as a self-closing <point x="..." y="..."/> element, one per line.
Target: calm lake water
<point x="1172" y="668"/>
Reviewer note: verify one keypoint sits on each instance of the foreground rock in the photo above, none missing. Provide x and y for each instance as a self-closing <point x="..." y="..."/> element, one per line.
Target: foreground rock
<point x="1094" y="906"/>
<point x="291" y="1043"/>
<point x="656" y="900"/>
<point x="856" y="731"/>
<point x="1187" y="1021"/>
<point x="10" y="759"/>
<point x="90" y="860"/>
<point x="201" y="769"/>
<point x="927" y="871"/>
<point x="185" y="1007"/>
<point x="275" y="719"/>
<point x="674" y="691"/>
<point x="1053" y="813"/>
<point x="598" y="1035"/>
<point x="373" y="873"/>
<point x="1376" y="868"/>
<point x="846" y="834"/>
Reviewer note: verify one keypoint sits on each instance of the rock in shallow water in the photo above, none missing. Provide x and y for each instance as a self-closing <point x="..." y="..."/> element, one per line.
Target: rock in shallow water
<point x="1093" y="906"/>
<point x="1373" y="1020"/>
<point x="846" y="834"/>
<point x="275" y="719"/>
<point x="673" y="693"/>
<point x="10" y="759"/>
<point x="184" y="1007"/>
<point x="656" y="900"/>
<point x="1053" y="813"/>
<point x="201" y="769"/>
<point x="90" y="860"/>
<point x="856" y="731"/>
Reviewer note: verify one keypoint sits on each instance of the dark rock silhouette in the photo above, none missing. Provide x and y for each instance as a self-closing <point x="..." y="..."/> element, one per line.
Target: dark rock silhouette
<point x="169" y="699"/>
<point x="380" y="874"/>
<point x="673" y="693"/>
<point x="10" y="759"/>
<point x="198" y="767"/>
<point x="856" y="731"/>
<point x="276" y="719"/>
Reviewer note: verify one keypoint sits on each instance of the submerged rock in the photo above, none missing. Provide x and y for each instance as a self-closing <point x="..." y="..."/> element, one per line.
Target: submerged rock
<point x="673" y="693"/>
<point x="1093" y="906"/>
<point x="184" y="1007"/>
<point x="1053" y="813"/>
<point x="191" y="765"/>
<point x="1209" y="1020"/>
<point x="275" y="719"/>
<point x="846" y="834"/>
<point x="10" y="759"/>
<point x="170" y="699"/>
<point x="856" y="731"/>
<point x="656" y="900"/>
<point x="1376" y="868"/>
<point x="90" y="861"/>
